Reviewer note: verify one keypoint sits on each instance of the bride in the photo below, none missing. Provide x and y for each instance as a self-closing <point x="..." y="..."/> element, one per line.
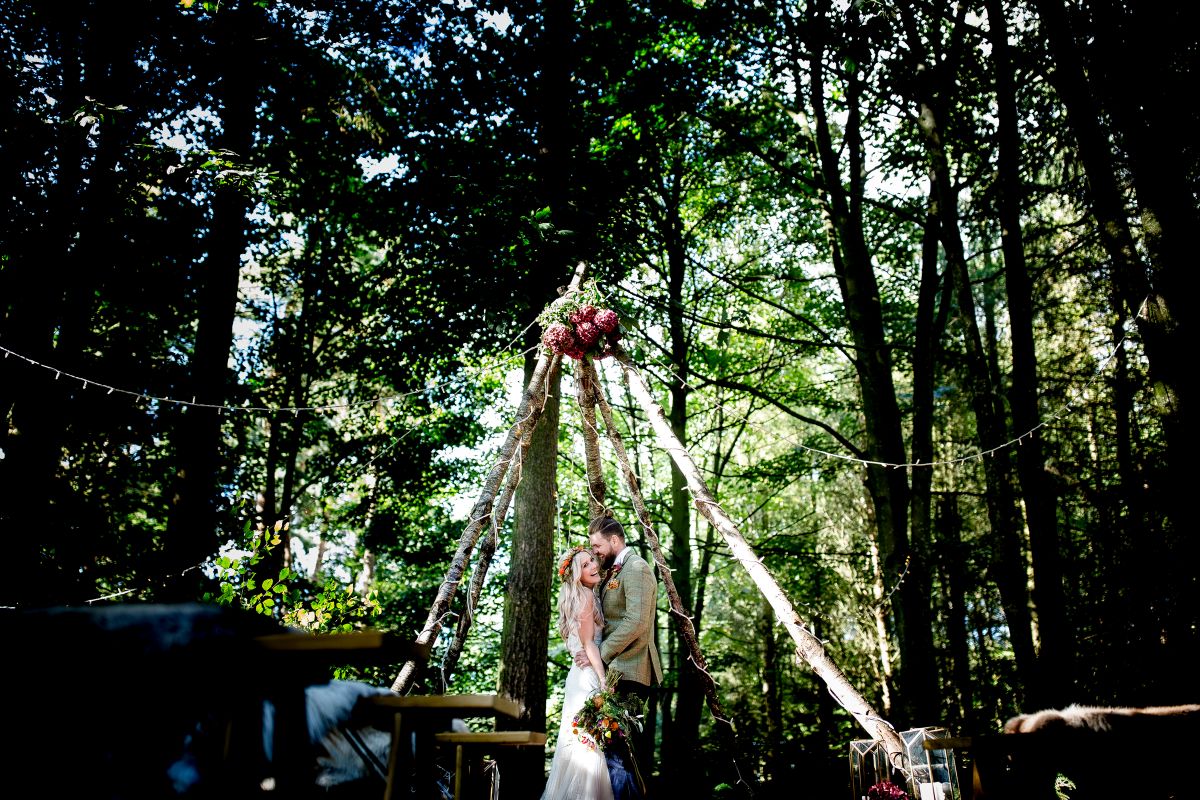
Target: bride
<point x="579" y="771"/>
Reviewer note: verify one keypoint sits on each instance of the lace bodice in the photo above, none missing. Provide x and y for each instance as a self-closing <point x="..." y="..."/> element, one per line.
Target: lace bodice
<point x="575" y="644"/>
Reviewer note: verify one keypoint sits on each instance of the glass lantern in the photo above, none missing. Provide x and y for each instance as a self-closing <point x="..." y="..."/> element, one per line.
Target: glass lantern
<point x="934" y="776"/>
<point x="868" y="766"/>
<point x="929" y="774"/>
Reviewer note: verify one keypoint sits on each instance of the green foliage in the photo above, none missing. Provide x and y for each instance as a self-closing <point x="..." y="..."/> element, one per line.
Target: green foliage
<point x="421" y="182"/>
<point x="327" y="608"/>
<point x="239" y="580"/>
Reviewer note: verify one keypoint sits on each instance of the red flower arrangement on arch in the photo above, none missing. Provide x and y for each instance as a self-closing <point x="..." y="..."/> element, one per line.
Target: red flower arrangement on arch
<point x="578" y="325"/>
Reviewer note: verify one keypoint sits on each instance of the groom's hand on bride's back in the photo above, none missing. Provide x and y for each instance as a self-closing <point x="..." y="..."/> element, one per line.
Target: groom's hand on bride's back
<point x="581" y="658"/>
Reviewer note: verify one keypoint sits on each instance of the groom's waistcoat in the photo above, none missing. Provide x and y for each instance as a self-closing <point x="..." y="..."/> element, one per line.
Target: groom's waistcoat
<point x="629" y="601"/>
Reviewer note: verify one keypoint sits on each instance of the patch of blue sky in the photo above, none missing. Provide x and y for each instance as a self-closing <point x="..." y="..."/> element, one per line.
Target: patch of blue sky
<point x="189" y="132"/>
<point x="500" y="21"/>
<point x="387" y="168"/>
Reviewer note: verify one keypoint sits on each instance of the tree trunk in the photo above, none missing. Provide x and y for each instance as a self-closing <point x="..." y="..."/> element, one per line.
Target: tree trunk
<point x="1153" y="294"/>
<point x="1036" y="491"/>
<point x="1142" y="98"/>
<point x="1008" y="564"/>
<point x="63" y="248"/>
<point x="679" y="753"/>
<point x="954" y="561"/>
<point x="33" y="432"/>
<point x="772" y="694"/>
<point x="934" y="300"/>
<point x="873" y="365"/>
<point x="192" y="534"/>
<point x="879" y="593"/>
<point x="525" y="640"/>
<point x="524" y="645"/>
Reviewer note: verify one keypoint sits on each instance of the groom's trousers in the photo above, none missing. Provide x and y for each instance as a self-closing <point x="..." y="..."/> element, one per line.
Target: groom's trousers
<point x="641" y="744"/>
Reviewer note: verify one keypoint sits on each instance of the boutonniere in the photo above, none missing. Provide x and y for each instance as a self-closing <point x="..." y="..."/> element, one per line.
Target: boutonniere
<point x="613" y="583"/>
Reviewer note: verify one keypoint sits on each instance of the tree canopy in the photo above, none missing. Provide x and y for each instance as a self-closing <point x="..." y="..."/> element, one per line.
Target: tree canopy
<point x="907" y="279"/>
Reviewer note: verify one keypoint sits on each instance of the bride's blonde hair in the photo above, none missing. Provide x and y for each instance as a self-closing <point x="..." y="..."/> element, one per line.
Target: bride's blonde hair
<point x="573" y="597"/>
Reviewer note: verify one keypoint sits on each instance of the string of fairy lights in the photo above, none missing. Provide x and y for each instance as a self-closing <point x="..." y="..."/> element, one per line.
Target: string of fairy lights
<point x="148" y="397"/>
<point x="1061" y="411"/>
<point x="500" y="360"/>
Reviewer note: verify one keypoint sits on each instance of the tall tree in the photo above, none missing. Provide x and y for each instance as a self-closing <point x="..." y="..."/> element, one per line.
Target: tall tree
<point x="527" y="619"/>
<point x="1036" y="491"/>
<point x="192" y="533"/>
<point x="873" y="362"/>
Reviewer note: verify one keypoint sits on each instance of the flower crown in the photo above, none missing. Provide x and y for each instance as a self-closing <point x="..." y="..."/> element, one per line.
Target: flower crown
<point x="564" y="567"/>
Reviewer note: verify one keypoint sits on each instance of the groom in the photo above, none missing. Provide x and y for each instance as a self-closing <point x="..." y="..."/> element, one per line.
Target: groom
<point x="628" y="595"/>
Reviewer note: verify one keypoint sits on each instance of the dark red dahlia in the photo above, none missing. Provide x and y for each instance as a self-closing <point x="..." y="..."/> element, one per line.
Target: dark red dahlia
<point x="558" y="337"/>
<point x="587" y="333"/>
<point x="584" y="314"/>
<point x="606" y="320"/>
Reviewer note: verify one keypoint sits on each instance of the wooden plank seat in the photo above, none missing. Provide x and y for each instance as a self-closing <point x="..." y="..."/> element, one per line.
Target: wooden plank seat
<point x="470" y="749"/>
<point x="414" y="720"/>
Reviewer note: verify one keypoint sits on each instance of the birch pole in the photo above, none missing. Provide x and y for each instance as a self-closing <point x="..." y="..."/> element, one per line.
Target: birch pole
<point x="586" y="388"/>
<point x="528" y="414"/>
<point x="808" y="646"/>
<point x="484" y="562"/>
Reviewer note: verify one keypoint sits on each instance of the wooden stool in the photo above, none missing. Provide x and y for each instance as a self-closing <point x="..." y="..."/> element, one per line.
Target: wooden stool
<point x="470" y="749"/>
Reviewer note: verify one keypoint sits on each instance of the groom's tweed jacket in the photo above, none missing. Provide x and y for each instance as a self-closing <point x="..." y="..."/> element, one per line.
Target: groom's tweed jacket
<point x="629" y="600"/>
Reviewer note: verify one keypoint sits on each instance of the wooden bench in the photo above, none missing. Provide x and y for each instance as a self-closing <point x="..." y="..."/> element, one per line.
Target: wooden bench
<point x="470" y="750"/>
<point x="414" y="720"/>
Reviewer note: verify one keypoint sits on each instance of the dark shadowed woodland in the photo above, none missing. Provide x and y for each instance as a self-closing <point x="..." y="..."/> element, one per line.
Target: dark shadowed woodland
<point x="905" y="278"/>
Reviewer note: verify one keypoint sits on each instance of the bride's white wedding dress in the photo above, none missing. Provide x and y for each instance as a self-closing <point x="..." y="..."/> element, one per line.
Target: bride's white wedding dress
<point x="579" y="771"/>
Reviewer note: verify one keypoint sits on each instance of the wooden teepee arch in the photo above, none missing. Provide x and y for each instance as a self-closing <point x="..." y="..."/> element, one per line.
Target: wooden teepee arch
<point x="492" y="506"/>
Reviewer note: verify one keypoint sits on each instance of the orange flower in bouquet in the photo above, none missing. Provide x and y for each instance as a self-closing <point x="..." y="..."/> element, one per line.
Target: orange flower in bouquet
<point x="607" y="718"/>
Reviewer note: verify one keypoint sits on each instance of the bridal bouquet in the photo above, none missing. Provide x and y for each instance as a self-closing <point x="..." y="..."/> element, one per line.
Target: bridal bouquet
<point x="607" y="718"/>
<point x="578" y="326"/>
